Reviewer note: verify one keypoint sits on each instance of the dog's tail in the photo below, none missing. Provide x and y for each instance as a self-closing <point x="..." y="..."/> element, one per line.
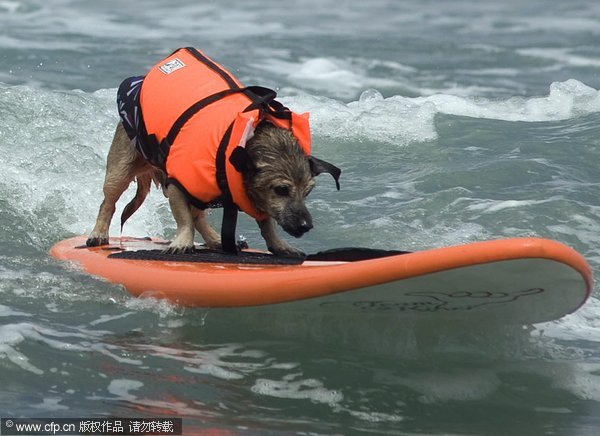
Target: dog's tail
<point x="143" y="188"/>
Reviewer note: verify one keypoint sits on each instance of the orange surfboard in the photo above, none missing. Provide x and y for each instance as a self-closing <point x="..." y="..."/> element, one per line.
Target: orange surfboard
<point x="522" y="280"/>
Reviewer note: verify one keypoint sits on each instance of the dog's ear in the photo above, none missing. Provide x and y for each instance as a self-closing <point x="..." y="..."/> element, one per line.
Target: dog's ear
<point x="241" y="161"/>
<point x="318" y="166"/>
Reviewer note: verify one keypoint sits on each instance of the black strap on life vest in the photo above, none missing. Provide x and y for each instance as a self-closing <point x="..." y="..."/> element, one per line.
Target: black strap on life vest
<point x="230" y="209"/>
<point x="213" y="66"/>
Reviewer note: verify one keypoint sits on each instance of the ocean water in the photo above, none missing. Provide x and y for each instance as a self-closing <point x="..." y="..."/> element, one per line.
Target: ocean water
<point x="453" y="122"/>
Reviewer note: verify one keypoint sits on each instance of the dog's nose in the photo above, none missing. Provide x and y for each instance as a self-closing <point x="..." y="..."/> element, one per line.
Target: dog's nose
<point x="305" y="226"/>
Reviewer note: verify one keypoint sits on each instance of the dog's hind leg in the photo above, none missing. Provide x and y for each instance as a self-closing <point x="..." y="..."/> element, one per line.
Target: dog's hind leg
<point x="209" y="234"/>
<point x="120" y="165"/>
<point x="184" y="238"/>
<point x="112" y="193"/>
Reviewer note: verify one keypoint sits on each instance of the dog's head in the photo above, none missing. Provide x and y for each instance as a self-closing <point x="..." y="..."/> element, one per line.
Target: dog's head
<point x="278" y="177"/>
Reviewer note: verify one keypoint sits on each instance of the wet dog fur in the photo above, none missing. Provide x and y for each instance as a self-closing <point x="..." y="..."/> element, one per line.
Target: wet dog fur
<point x="277" y="177"/>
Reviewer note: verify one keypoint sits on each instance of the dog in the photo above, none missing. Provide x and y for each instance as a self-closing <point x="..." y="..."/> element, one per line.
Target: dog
<point x="272" y="160"/>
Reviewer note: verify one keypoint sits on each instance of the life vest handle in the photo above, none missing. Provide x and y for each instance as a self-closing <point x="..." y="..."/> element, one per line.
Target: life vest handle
<point x="261" y="97"/>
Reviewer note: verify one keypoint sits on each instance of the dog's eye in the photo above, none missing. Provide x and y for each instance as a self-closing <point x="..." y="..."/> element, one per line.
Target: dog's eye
<point x="282" y="190"/>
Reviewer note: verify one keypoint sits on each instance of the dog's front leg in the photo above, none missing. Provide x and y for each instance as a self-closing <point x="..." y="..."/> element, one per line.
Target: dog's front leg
<point x="275" y="244"/>
<point x="209" y="234"/>
<point x="184" y="238"/>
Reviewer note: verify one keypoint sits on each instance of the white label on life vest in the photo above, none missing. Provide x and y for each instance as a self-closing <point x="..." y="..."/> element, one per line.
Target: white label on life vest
<point x="171" y="66"/>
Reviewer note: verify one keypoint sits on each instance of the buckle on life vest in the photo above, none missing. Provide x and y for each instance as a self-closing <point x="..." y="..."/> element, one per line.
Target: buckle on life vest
<point x="261" y="97"/>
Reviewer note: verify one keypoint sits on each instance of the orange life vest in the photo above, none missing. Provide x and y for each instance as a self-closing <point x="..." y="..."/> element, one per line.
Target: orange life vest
<point x="197" y="114"/>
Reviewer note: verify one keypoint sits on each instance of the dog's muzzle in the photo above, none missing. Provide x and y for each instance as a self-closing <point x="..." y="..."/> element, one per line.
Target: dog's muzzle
<point x="298" y="227"/>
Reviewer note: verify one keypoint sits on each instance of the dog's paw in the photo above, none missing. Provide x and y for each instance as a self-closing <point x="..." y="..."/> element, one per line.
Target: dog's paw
<point x="176" y="249"/>
<point x="95" y="241"/>
<point x="214" y="244"/>
<point x="287" y="251"/>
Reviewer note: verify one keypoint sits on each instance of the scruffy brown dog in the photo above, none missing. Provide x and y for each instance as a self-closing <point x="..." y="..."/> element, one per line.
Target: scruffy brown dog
<point x="278" y="178"/>
<point x="194" y="129"/>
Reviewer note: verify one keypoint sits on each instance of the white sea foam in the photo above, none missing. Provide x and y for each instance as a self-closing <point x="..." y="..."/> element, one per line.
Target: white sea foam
<point x="580" y="227"/>
<point x="221" y="362"/>
<point x="293" y="387"/>
<point x="583" y="325"/>
<point x="581" y="379"/>
<point x="55" y="170"/>
<point x="131" y="391"/>
<point x="50" y="405"/>
<point x="341" y="78"/>
<point x="435" y="387"/>
<point x="11" y="335"/>
<point x="562" y="56"/>
<point x="10" y="6"/>
<point x="395" y="120"/>
<point x="403" y="120"/>
<point x="109" y="318"/>
<point x="7" y="311"/>
<point x="374" y="416"/>
<point x="122" y="388"/>
<point x="565" y="100"/>
<point x="491" y="206"/>
<point x="114" y="352"/>
<point x="554" y="23"/>
<point x="164" y="308"/>
<point x="97" y="21"/>
<point x="78" y="341"/>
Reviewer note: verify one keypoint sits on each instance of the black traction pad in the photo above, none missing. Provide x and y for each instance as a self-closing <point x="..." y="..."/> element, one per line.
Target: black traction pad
<point x="209" y="256"/>
<point x="352" y="254"/>
<point x="252" y="258"/>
